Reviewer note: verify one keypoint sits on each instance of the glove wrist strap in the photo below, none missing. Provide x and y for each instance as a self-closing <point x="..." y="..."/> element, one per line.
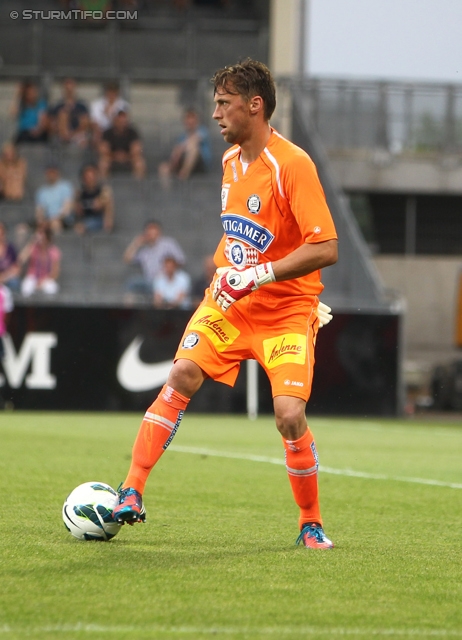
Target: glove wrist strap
<point x="264" y="274"/>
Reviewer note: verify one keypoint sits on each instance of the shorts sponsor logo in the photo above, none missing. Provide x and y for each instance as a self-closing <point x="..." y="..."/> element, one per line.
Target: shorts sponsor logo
<point x="215" y="326"/>
<point x="289" y="348"/>
<point x="293" y="383"/>
<point x="241" y="228"/>
<point x="254" y="203"/>
<point x="317" y="230"/>
<point x="190" y="341"/>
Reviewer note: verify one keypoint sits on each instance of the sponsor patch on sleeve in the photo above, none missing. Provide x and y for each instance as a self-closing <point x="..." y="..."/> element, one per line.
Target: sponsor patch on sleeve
<point x="290" y="347"/>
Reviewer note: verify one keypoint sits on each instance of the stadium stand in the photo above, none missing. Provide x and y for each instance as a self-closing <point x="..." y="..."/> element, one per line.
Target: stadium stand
<point x="182" y="50"/>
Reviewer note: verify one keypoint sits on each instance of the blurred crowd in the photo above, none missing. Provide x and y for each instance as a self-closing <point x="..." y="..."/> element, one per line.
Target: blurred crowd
<point x="109" y="143"/>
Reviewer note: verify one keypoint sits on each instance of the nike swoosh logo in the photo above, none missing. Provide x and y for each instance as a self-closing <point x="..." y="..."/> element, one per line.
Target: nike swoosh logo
<point x="135" y="375"/>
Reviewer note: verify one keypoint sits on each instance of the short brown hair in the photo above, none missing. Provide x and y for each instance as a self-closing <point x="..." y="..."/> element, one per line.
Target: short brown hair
<point x="248" y="78"/>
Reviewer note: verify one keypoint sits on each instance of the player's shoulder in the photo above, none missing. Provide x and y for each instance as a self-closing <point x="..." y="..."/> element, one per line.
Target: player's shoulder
<point x="286" y="152"/>
<point x="231" y="153"/>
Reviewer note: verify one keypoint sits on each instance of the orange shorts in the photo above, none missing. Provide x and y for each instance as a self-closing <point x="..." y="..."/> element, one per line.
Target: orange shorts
<point x="279" y="333"/>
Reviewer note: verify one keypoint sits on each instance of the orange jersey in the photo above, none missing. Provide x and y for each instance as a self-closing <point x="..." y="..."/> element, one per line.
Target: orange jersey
<point x="271" y="210"/>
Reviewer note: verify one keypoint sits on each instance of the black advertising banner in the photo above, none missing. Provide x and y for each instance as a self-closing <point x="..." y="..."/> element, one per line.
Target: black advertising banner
<point x="116" y="359"/>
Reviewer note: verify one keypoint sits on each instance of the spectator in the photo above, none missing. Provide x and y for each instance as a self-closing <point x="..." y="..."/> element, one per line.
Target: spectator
<point x="203" y="282"/>
<point x="43" y="260"/>
<point x="13" y="172"/>
<point x="9" y="268"/>
<point x="6" y="306"/>
<point x="70" y="118"/>
<point x="94" y="203"/>
<point x="149" y="251"/>
<point x="191" y="154"/>
<point x="30" y="112"/>
<point x="121" y="148"/>
<point x="103" y="110"/>
<point x="172" y="286"/>
<point x="54" y="200"/>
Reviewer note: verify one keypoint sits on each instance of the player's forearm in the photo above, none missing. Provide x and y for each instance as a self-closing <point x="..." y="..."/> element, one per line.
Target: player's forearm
<point x="305" y="260"/>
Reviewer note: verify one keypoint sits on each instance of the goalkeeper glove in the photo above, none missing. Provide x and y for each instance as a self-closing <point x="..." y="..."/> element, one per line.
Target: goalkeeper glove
<point x="234" y="284"/>
<point x="324" y="315"/>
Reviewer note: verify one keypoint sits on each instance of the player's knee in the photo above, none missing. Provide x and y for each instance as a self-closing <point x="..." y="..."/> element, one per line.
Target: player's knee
<point x="290" y="420"/>
<point x="186" y="377"/>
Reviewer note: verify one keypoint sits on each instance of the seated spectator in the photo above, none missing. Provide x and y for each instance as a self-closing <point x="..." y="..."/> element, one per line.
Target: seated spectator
<point x="172" y="287"/>
<point x="30" y="111"/>
<point x="53" y="201"/>
<point x="6" y="306"/>
<point x="9" y="268"/>
<point x="13" y="172"/>
<point x="121" y="148"/>
<point x="149" y="251"/>
<point x="103" y="110"/>
<point x="70" y="118"/>
<point x="94" y="203"/>
<point x="203" y="282"/>
<point x="191" y="154"/>
<point x="43" y="261"/>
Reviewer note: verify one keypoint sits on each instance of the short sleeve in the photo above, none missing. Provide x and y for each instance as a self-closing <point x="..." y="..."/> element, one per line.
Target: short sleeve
<point x="40" y="198"/>
<point x="306" y="198"/>
<point x="68" y="190"/>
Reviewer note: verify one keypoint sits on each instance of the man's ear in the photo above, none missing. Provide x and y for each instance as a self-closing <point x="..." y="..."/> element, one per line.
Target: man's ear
<point x="256" y="104"/>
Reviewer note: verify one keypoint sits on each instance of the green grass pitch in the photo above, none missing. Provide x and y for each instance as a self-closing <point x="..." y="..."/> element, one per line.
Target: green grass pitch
<point x="217" y="556"/>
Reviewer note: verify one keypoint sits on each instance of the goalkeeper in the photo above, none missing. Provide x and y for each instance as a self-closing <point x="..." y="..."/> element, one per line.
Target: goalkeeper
<point x="263" y="301"/>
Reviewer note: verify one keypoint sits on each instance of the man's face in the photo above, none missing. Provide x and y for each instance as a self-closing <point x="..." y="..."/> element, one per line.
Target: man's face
<point x="151" y="233"/>
<point x="232" y="113"/>
<point x="169" y="267"/>
<point x="112" y="95"/>
<point x="121" y="121"/>
<point x="90" y="177"/>
<point x="52" y="175"/>
<point x="69" y="87"/>
<point x="191" y="121"/>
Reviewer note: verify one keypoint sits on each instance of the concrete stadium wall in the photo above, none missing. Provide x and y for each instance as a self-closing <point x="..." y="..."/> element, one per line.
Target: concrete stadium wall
<point x="429" y="286"/>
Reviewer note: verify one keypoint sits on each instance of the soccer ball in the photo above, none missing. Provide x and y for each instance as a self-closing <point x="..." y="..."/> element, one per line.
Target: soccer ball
<point x="87" y="512"/>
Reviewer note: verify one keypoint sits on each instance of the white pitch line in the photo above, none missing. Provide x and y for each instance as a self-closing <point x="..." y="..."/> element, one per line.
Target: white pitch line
<point x="337" y="472"/>
<point x="215" y="631"/>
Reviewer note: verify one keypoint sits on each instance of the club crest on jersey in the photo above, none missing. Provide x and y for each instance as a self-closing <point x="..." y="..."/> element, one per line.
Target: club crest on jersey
<point x="253" y="203"/>
<point x="237" y="254"/>
<point x="190" y="341"/>
<point x="248" y="231"/>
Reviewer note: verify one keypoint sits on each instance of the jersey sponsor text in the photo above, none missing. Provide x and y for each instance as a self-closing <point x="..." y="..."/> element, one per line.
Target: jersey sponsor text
<point x="241" y="228"/>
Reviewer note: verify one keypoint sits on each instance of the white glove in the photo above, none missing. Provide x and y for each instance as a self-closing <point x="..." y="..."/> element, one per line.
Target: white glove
<point x="233" y="284"/>
<point x="324" y="314"/>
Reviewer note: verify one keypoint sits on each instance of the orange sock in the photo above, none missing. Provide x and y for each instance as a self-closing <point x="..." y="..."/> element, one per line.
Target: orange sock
<point x="302" y="467"/>
<point x="160" y="423"/>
